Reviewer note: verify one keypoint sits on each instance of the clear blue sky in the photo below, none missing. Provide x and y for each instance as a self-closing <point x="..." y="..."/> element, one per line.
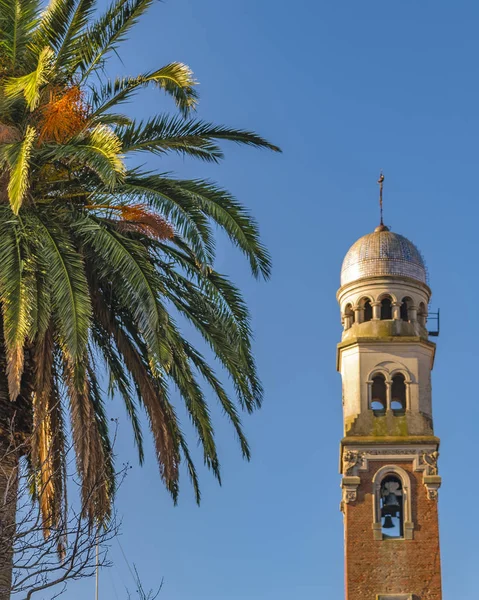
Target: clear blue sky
<point x="346" y="88"/>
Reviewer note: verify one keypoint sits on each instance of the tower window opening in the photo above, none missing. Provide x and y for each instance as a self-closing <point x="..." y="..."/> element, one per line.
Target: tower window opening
<point x="398" y="395"/>
<point x="391" y="503"/>
<point x="348" y="316"/>
<point x="404" y="310"/>
<point x="386" y="309"/>
<point x="378" y="395"/>
<point x="368" y="311"/>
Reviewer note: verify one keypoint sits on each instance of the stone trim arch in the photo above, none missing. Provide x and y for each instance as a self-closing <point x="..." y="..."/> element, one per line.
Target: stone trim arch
<point x="386" y="294"/>
<point x="364" y="313"/>
<point x="389" y="374"/>
<point x="379" y="476"/>
<point x="401" y="371"/>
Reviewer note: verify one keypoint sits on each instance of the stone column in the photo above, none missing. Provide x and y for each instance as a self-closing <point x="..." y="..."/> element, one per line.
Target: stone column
<point x="358" y="313"/>
<point x="388" y="395"/>
<point x="397" y="311"/>
<point x="412" y="313"/>
<point x="376" y="310"/>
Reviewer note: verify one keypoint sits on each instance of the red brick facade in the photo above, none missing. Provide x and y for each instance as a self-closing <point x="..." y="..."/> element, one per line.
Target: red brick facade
<point x="392" y="566"/>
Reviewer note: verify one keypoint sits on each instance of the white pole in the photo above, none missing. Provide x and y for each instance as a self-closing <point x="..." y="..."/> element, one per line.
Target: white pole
<point x="97" y="577"/>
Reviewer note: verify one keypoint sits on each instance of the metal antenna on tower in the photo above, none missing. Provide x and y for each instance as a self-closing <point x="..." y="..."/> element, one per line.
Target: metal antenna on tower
<point x="381" y="181"/>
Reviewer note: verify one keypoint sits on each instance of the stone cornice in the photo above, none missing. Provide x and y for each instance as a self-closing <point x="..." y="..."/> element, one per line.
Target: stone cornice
<point x="368" y="440"/>
<point x="356" y="341"/>
<point x="382" y="278"/>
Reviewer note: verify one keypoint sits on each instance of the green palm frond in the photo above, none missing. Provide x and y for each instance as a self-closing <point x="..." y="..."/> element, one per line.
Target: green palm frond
<point x="98" y="149"/>
<point x="18" y="19"/>
<point x="41" y="301"/>
<point x="119" y="382"/>
<point x="29" y="85"/>
<point x="108" y="32"/>
<point x="54" y="23"/>
<point x="227" y="404"/>
<point x="210" y="201"/>
<point x="193" y="138"/>
<point x="68" y="285"/>
<point x="80" y="15"/>
<point x="176" y="79"/>
<point x="135" y="283"/>
<point x="17" y="156"/>
<point x="186" y="217"/>
<point x="14" y="295"/>
<point x="219" y="333"/>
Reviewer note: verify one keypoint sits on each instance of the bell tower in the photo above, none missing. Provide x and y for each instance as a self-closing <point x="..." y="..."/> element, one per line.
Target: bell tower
<point x="389" y="451"/>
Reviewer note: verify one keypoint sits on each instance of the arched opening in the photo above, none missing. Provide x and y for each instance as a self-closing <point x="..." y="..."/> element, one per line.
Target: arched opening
<point x="398" y="394"/>
<point x="368" y="310"/>
<point x="391" y="502"/>
<point x="422" y="314"/>
<point x="348" y="316"/>
<point x="405" y="306"/>
<point x="386" y="308"/>
<point x="378" y="395"/>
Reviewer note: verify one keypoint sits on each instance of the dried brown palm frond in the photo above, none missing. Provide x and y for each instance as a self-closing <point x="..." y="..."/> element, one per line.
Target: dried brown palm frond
<point x="90" y="453"/>
<point x="159" y="412"/>
<point x="48" y="443"/>
<point x="139" y="218"/>
<point x="8" y="134"/>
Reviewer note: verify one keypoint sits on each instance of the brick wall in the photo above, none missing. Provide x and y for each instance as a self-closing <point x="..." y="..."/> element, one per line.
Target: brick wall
<point x="394" y="566"/>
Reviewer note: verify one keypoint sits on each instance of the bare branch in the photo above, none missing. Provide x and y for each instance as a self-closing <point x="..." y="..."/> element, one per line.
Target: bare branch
<point x="46" y="559"/>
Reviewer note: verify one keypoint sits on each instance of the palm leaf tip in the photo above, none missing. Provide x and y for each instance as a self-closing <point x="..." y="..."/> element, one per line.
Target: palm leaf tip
<point x="177" y="80"/>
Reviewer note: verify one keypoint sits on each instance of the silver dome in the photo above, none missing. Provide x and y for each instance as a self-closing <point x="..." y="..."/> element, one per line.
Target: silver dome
<point x="383" y="253"/>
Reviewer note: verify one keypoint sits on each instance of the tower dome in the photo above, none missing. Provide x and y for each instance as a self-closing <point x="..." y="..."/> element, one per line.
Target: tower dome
<point x="383" y="253"/>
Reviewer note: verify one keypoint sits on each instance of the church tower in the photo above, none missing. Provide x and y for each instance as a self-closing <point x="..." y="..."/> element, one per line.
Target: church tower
<point x="389" y="451"/>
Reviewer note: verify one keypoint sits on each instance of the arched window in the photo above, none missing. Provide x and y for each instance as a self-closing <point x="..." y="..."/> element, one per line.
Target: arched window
<point x="378" y="395"/>
<point x="386" y="308"/>
<point x="368" y="310"/>
<point x="398" y="394"/>
<point x="422" y="314"/>
<point x="405" y="306"/>
<point x="391" y="503"/>
<point x="348" y="316"/>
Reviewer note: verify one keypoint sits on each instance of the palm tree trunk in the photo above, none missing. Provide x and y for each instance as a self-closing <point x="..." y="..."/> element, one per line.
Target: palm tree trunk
<point x="15" y="427"/>
<point x="9" y="458"/>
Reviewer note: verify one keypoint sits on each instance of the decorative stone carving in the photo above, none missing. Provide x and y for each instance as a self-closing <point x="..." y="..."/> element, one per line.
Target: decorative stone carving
<point x="424" y="459"/>
<point x="432" y="483"/>
<point x="352" y="460"/>
<point x="431" y="462"/>
<point x="350" y="486"/>
<point x="350" y="495"/>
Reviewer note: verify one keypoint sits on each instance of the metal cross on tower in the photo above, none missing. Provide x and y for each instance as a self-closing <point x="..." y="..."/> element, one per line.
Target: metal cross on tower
<point x="381" y="181"/>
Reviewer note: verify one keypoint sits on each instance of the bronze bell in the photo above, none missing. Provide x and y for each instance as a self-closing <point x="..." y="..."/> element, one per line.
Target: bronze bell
<point x="388" y="522"/>
<point x="391" y="505"/>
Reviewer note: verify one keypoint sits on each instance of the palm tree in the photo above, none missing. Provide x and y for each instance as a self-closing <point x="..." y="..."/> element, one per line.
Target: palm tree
<point x="97" y="258"/>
